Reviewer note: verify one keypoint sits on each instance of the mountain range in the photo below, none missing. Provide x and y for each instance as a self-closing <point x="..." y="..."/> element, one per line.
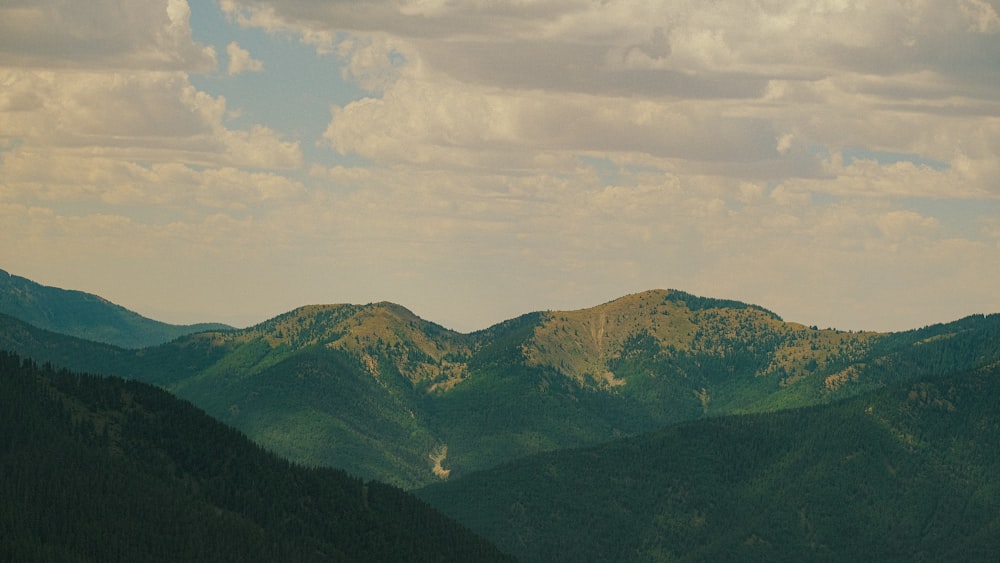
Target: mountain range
<point x="383" y="394"/>
<point x="377" y="391"/>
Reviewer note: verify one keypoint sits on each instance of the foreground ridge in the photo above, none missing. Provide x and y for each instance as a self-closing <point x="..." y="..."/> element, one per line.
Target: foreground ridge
<point x="102" y="469"/>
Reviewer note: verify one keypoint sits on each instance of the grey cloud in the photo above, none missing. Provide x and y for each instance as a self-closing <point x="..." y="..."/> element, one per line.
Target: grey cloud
<point x="18" y="101"/>
<point x="656" y="47"/>
<point x="583" y="47"/>
<point x="571" y="67"/>
<point x="100" y="34"/>
<point x="722" y="140"/>
<point x="456" y="19"/>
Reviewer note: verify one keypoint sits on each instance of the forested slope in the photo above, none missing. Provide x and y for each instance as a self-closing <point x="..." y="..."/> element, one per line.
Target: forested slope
<point x="102" y="469"/>
<point x="910" y="472"/>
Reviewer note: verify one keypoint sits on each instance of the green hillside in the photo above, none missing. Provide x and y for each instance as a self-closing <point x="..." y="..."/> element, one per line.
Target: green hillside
<point x="910" y="472"/>
<point x="85" y="315"/>
<point x="162" y="365"/>
<point x="377" y="391"/>
<point x="103" y="469"/>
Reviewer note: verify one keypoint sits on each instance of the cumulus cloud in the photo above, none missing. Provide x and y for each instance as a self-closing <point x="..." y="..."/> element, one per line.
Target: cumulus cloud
<point x="145" y="116"/>
<point x="445" y="123"/>
<point x="754" y="88"/>
<point x="802" y="39"/>
<point x="101" y="34"/>
<point x="240" y="60"/>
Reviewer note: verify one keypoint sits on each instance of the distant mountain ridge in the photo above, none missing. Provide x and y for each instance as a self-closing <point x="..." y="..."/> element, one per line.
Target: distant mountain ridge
<point x="384" y="394"/>
<point x="85" y="315"/>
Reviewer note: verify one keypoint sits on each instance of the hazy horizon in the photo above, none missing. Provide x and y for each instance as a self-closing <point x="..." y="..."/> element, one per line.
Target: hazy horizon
<point x="838" y="164"/>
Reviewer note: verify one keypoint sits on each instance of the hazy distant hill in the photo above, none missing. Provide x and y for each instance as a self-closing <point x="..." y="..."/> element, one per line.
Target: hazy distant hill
<point x="85" y="315"/>
<point x="377" y="391"/>
<point x="910" y="472"/>
<point x="102" y="469"/>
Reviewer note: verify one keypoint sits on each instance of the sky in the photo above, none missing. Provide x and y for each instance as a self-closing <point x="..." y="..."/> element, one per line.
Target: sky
<point x="836" y="161"/>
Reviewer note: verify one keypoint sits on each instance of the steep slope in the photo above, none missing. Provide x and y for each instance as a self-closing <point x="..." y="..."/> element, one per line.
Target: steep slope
<point x="905" y="473"/>
<point x="721" y="353"/>
<point x="560" y="379"/>
<point x="85" y="315"/>
<point x="339" y="385"/>
<point x="103" y="469"/>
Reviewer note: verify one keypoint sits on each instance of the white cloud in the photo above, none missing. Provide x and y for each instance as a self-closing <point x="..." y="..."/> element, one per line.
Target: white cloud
<point x="906" y="225"/>
<point x="145" y="116"/>
<point x="240" y="60"/>
<point x="439" y="122"/>
<point x="79" y="107"/>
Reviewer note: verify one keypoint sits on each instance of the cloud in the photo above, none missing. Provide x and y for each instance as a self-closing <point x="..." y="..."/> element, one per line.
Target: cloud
<point x="101" y="34"/>
<point x="111" y="79"/>
<point x="33" y="177"/>
<point x="905" y="225"/>
<point x="446" y="123"/>
<point x="147" y="116"/>
<point x="796" y="38"/>
<point x="374" y="62"/>
<point x="240" y="60"/>
<point x="983" y="16"/>
<point x="739" y="89"/>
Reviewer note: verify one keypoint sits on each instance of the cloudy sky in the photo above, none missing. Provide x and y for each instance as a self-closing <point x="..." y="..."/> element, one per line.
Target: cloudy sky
<point x="835" y="161"/>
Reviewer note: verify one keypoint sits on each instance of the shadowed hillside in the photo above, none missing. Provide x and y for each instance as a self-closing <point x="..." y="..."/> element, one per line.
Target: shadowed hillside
<point x="910" y="472"/>
<point x="85" y="315"/>
<point x="102" y="469"/>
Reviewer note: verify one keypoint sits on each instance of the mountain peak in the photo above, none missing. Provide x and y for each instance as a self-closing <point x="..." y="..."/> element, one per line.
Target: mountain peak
<point x="581" y="343"/>
<point x="383" y="336"/>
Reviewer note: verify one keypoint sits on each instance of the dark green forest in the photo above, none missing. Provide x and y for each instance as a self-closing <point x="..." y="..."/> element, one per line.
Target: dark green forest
<point x="102" y="469"/>
<point x="910" y="472"/>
